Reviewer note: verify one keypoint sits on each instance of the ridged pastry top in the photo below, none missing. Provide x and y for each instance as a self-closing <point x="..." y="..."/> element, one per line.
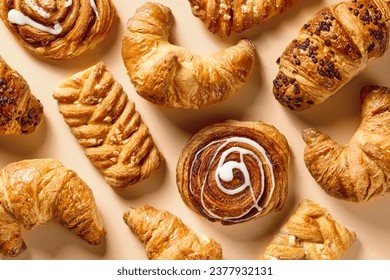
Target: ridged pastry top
<point x="234" y="171"/>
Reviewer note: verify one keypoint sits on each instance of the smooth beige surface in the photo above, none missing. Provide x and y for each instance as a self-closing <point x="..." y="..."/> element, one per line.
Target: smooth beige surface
<point x="339" y="117"/>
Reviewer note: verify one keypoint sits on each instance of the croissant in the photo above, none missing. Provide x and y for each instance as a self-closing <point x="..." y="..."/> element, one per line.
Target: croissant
<point x="170" y="75"/>
<point x="20" y="111"/>
<point x="330" y="49"/>
<point x="166" y="237"/>
<point x="310" y="234"/>
<point x="33" y="192"/>
<point x="107" y="126"/>
<point x="225" y="16"/>
<point x="360" y="170"/>
<point x="234" y="171"/>
<point x="58" y="29"/>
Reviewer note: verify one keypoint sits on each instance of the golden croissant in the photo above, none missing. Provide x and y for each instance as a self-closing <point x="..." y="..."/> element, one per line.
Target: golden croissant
<point x="330" y="49"/>
<point x="20" y="111"/>
<point x="359" y="170"/>
<point x="310" y="234"/>
<point x="166" y="237"/>
<point x="58" y="29"/>
<point x="225" y="16"/>
<point x="107" y="126"/>
<point x="170" y="75"/>
<point x="33" y="192"/>
<point x="234" y="171"/>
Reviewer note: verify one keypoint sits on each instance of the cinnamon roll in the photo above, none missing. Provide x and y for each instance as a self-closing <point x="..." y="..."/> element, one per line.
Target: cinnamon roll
<point x="58" y="29"/>
<point x="234" y="171"/>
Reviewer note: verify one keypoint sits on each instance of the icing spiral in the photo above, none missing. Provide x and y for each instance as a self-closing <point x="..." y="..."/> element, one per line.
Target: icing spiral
<point x="58" y="29"/>
<point x="234" y="171"/>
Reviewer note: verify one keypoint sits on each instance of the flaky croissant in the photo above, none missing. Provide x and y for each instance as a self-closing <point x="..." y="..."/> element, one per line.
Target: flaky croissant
<point x="359" y="170"/>
<point x="166" y="237"/>
<point x="58" y="29"/>
<point x="234" y="171"/>
<point x="329" y="50"/>
<point x="107" y="126"/>
<point x="310" y="234"/>
<point x="171" y="76"/>
<point x="33" y="192"/>
<point x="225" y="16"/>
<point x="20" y="111"/>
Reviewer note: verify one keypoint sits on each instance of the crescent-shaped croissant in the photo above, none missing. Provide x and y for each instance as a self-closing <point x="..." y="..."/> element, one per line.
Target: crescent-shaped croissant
<point x="166" y="237"/>
<point x="330" y="49"/>
<point x="234" y="171"/>
<point x="33" y="192"/>
<point x="310" y="234"/>
<point x="359" y="170"/>
<point x="58" y="29"/>
<point x="108" y="127"/>
<point x="20" y="111"/>
<point x="226" y="16"/>
<point x="170" y="75"/>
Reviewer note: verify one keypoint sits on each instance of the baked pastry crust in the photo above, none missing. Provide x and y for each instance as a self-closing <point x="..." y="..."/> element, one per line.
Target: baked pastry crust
<point x="234" y="171"/>
<point x="166" y="237"/>
<point x="33" y="192"/>
<point x="330" y="49"/>
<point x="223" y="17"/>
<point x="310" y="234"/>
<point x="170" y="75"/>
<point x="58" y="29"/>
<point x="107" y="126"/>
<point x="20" y="111"/>
<point x="359" y="170"/>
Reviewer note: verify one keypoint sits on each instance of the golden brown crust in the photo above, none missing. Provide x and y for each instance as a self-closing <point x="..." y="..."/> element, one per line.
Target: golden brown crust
<point x="81" y="27"/>
<point x="170" y="75"/>
<point x="360" y="170"/>
<point x="330" y="49"/>
<point x="166" y="237"/>
<point x="223" y="17"/>
<point x="234" y="171"/>
<point x="107" y="126"/>
<point x="20" y="111"/>
<point x="310" y="234"/>
<point x="33" y="192"/>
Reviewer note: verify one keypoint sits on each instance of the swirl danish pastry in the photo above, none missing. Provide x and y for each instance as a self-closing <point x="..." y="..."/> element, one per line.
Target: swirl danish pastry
<point x="234" y="171"/>
<point x="58" y="29"/>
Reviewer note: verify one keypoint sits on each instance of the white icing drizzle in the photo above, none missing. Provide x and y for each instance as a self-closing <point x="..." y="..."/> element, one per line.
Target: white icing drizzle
<point x="68" y="3"/>
<point x="224" y="171"/>
<point x="33" y="5"/>
<point x="16" y="17"/>
<point x="94" y="7"/>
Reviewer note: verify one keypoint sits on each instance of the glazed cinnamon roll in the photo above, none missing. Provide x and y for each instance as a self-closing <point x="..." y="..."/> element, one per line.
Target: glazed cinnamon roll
<point x="234" y="171"/>
<point x="58" y="29"/>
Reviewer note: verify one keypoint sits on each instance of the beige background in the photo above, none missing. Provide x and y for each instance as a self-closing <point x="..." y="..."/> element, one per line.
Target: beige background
<point x="338" y="116"/>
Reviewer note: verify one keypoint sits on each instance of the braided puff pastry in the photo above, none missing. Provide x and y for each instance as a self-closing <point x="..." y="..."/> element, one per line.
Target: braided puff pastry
<point x="171" y="76"/>
<point x="330" y="49"/>
<point x="234" y="171"/>
<point x="166" y="237"/>
<point x="359" y="170"/>
<point x="310" y="234"/>
<point x="33" y="192"/>
<point x="225" y="16"/>
<point x="58" y="29"/>
<point x="107" y="126"/>
<point x="20" y="111"/>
